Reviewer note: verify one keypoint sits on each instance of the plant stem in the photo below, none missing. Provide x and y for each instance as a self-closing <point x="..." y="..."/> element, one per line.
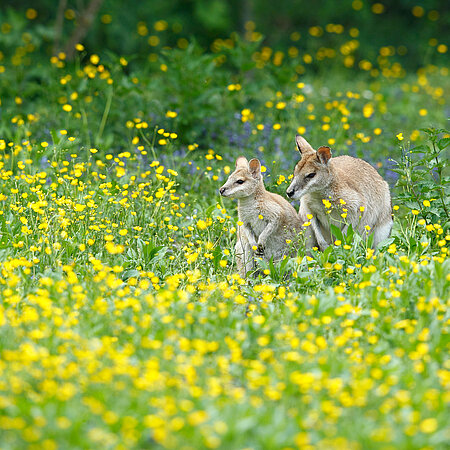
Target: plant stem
<point x="439" y="171"/>
<point x="105" y="116"/>
<point x="151" y="144"/>
<point x="409" y="180"/>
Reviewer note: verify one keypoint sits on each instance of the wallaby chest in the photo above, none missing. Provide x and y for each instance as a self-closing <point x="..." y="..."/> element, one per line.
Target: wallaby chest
<point x="250" y="215"/>
<point x="324" y="215"/>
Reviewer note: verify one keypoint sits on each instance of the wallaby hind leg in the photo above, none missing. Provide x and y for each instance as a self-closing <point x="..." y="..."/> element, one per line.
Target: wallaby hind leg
<point x="244" y="255"/>
<point x="308" y="233"/>
<point x="381" y="232"/>
<point x="310" y="238"/>
<point x="244" y="259"/>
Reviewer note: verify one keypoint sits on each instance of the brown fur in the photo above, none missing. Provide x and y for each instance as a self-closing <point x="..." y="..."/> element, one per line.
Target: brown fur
<point x="350" y="179"/>
<point x="264" y="237"/>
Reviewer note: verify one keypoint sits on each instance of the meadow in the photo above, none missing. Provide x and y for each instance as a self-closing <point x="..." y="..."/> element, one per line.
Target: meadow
<point x="123" y="322"/>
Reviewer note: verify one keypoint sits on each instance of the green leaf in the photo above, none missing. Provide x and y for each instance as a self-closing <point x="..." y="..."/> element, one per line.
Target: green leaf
<point x="326" y="253"/>
<point x="350" y="234"/>
<point x="56" y="138"/>
<point x="443" y="143"/>
<point x="132" y="273"/>
<point x="337" y="232"/>
<point x="209" y="210"/>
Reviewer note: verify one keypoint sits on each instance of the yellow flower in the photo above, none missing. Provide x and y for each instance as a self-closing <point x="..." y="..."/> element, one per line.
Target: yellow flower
<point x="94" y="59"/>
<point x="301" y="439"/>
<point x="400" y="136"/>
<point x="202" y="225"/>
<point x="426" y="203"/>
<point x="31" y="14"/>
<point x="114" y="249"/>
<point x="120" y="171"/>
<point x="428" y="425"/>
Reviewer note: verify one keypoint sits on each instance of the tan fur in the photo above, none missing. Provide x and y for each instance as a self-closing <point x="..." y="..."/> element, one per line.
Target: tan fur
<point x="344" y="177"/>
<point x="280" y="222"/>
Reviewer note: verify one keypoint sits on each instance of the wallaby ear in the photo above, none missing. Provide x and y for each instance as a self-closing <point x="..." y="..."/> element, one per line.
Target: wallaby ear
<point x="255" y="168"/>
<point x="324" y="154"/>
<point x="242" y="162"/>
<point x="303" y="146"/>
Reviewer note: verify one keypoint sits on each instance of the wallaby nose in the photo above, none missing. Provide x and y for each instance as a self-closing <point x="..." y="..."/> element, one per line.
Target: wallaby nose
<point x="222" y="190"/>
<point x="290" y="193"/>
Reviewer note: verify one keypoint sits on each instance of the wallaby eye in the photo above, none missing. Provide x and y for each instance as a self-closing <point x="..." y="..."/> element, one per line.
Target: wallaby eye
<point x="311" y="175"/>
<point x="240" y="181"/>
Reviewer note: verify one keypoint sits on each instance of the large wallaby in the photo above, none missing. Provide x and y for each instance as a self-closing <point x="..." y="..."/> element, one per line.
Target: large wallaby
<point x="345" y="183"/>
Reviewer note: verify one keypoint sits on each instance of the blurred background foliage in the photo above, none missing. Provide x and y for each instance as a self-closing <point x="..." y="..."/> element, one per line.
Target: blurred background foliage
<point x="412" y="31"/>
<point x="230" y="74"/>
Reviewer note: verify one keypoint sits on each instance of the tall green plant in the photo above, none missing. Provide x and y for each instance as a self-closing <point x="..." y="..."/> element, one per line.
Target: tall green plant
<point x="424" y="181"/>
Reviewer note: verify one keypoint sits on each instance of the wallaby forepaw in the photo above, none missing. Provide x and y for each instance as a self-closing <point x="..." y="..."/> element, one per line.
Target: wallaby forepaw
<point x="259" y="252"/>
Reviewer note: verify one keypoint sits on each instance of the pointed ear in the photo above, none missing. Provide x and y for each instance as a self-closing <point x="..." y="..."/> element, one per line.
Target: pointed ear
<point x="255" y="168"/>
<point x="324" y="154"/>
<point x="303" y="146"/>
<point x="242" y="162"/>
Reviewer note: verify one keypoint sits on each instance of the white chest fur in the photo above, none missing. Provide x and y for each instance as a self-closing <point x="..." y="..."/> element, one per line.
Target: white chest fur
<point x="249" y="214"/>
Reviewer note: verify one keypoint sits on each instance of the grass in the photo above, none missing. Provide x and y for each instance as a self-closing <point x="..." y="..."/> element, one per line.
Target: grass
<point x="122" y="321"/>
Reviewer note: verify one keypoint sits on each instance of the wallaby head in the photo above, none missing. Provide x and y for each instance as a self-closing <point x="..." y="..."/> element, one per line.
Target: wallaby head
<point x="245" y="180"/>
<point x="312" y="172"/>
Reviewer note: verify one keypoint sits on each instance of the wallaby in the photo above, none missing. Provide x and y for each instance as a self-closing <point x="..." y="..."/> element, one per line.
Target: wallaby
<point x="352" y="188"/>
<point x="270" y="223"/>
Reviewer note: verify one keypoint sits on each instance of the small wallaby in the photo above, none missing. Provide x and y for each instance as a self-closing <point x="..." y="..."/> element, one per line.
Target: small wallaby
<point x="269" y="222"/>
<point x="352" y="188"/>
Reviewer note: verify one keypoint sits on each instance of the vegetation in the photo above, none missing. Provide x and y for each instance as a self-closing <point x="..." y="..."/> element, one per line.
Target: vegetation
<point x="123" y="323"/>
